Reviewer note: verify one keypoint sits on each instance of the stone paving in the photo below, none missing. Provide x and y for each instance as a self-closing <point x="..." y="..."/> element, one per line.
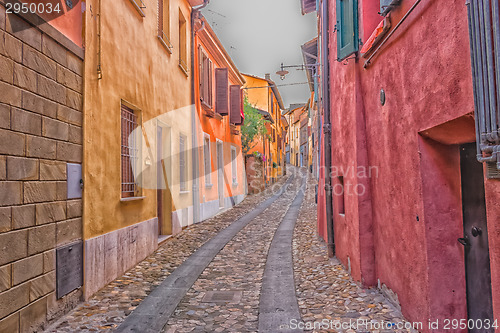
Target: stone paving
<point x="325" y="290"/>
<point x="238" y="267"/>
<point x="108" y="308"/>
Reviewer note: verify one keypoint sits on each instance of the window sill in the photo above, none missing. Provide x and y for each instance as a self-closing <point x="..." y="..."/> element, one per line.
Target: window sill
<point x="132" y="199"/>
<point x="209" y="185"/>
<point x="184" y="69"/>
<point x="166" y="44"/>
<point x="184" y="192"/>
<point x="212" y="114"/>
<point x="138" y="8"/>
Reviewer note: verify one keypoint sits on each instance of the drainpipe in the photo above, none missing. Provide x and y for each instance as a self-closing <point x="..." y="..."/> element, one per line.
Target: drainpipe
<point x="196" y="193"/>
<point x="327" y="128"/>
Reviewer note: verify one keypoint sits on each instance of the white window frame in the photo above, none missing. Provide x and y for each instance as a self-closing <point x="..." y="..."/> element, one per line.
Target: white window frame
<point x="234" y="166"/>
<point x="183" y="183"/>
<point x="208" y="176"/>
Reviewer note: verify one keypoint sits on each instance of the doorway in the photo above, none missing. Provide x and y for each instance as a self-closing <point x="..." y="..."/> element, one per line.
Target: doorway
<point x="220" y="173"/>
<point x="163" y="194"/>
<point x="475" y="238"/>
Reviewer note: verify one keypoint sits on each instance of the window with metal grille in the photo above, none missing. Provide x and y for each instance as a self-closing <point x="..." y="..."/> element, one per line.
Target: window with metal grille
<point x="207" y="160"/>
<point x="234" y="166"/>
<point x="129" y="152"/>
<point x="183" y="60"/>
<point x="164" y="24"/>
<point x="206" y="68"/>
<point x="182" y="163"/>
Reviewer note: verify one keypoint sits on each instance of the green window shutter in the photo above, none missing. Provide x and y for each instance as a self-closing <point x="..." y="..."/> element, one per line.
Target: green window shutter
<point x="347" y="28"/>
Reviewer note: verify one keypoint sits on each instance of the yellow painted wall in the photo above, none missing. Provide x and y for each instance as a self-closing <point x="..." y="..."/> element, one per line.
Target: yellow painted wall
<point x="261" y="98"/>
<point x="137" y="68"/>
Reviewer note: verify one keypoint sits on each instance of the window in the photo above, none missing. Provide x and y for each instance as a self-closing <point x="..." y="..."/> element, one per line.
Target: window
<point x="129" y="152"/>
<point x="182" y="163"/>
<point x="234" y="166"/>
<point x="347" y="28"/>
<point x="207" y="158"/>
<point x="164" y="24"/>
<point x="205" y="79"/>
<point x="183" y="63"/>
<point x="139" y="6"/>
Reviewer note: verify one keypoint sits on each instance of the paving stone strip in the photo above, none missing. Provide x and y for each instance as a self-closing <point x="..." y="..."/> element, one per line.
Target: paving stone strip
<point x="111" y="305"/>
<point x="153" y="313"/>
<point x="329" y="300"/>
<point x="225" y="298"/>
<point x="278" y="302"/>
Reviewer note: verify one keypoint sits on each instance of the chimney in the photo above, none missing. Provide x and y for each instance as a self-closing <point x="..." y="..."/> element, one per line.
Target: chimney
<point x="268" y="76"/>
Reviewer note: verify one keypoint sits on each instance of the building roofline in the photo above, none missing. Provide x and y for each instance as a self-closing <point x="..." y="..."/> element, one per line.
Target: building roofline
<point x="272" y="85"/>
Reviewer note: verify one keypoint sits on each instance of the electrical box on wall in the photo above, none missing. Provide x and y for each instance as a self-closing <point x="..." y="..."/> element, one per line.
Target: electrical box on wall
<point x="69" y="268"/>
<point x="75" y="182"/>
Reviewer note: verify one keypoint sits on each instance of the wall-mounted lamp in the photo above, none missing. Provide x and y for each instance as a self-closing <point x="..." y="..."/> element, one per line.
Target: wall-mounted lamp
<point x="283" y="72"/>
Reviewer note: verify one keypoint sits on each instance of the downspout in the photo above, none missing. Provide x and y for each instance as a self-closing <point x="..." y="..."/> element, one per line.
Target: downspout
<point x="196" y="194"/>
<point x="327" y="128"/>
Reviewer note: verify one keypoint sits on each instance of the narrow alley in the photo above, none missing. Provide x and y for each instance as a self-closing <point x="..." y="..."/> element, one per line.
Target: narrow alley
<point x="249" y="166"/>
<point x="235" y="282"/>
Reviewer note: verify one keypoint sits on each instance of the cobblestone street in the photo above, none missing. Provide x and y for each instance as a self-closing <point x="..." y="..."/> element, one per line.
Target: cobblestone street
<point x="323" y="288"/>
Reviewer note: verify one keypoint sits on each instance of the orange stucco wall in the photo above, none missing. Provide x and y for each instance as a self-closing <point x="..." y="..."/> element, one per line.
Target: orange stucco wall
<point x="217" y="129"/>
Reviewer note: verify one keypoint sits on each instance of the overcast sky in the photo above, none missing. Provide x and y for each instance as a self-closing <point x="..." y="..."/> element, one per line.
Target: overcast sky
<point x="261" y="34"/>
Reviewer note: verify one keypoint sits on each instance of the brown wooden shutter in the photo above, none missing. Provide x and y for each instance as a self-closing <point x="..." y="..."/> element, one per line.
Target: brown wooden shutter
<point x="221" y="91"/>
<point x="201" y="71"/>
<point x="242" y="108"/>
<point x="210" y="83"/>
<point x="235" y="100"/>
<point x="205" y="79"/>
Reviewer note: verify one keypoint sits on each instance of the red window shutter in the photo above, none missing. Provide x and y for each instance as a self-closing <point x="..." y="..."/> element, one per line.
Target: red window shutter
<point x="235" y="100"/>
<point x="221" y="91"/>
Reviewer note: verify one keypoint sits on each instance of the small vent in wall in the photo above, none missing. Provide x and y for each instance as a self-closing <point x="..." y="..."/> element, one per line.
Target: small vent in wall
<point x="492" y="171"/>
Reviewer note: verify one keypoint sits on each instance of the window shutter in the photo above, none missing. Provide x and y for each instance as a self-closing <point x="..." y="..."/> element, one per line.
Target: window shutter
<point x="242" y="107"/>
<point x="201" y="72"/>
<point x="210" y="83"/>
<point x="347" y="28"/>
<point x="205" y="79"/>
<point x="235" y="100"/>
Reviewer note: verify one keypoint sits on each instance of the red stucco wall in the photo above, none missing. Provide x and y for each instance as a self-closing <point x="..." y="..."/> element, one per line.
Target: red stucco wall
<point x="387" y="232"/>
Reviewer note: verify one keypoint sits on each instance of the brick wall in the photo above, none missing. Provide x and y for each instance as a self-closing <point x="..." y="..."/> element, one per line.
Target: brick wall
<point x="40" y="132"/>
<point x="255" y="174"/>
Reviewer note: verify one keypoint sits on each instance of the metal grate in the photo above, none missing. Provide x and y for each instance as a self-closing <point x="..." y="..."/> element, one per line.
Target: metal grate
<point x="129" y="151"/>
<point x="222" y="296"/>
<point x="491" y="171"/>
